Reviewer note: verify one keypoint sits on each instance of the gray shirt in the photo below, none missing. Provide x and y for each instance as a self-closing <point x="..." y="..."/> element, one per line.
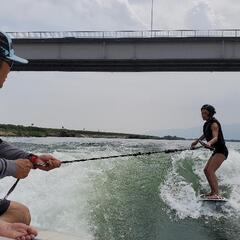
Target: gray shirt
<point x="8" y="156"/>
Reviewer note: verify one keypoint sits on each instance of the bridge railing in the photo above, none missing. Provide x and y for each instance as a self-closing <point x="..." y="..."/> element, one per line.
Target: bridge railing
<point x="127" y="34"/>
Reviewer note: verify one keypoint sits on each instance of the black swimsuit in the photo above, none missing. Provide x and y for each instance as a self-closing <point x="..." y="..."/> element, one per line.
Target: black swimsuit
<point x="4" y="205"/>
<point x="219" y="146"/>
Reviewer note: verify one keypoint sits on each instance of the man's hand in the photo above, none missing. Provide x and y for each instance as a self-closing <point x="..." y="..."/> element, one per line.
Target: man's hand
<point x="23" y="168"/>
<point x="51" y="162"/>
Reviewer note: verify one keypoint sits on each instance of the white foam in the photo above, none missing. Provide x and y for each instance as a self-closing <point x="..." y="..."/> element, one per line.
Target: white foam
<point x="54" y="197"/>
<point x="180" y="196"/>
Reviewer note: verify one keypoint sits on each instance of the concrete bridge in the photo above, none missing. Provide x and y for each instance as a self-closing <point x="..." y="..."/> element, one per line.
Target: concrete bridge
<point x="129" y="51"/>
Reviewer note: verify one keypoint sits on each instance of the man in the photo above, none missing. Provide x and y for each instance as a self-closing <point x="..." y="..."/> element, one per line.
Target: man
<point x="15" y="217"/>
<point x="212" y="131"/>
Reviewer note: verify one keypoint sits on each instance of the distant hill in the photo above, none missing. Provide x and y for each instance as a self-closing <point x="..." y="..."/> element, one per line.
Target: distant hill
<point x="10" y="130"/>
<point x="231" y="131"/>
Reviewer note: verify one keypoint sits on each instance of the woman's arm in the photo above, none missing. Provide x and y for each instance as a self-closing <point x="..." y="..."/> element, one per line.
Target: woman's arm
<point x="196" y="141"/>
<point x="215" y="130"/>
<point x="201" y="138"/>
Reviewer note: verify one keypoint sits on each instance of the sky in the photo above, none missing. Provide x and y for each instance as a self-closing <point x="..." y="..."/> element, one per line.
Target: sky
<point x="125" y="102"/>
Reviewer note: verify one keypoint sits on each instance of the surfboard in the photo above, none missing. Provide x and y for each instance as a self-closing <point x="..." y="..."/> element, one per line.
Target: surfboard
<point x="51" y="235"/>
<point x="206" y="199"/>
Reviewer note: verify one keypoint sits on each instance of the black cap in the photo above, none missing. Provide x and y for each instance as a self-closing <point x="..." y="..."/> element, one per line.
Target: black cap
<point x="6" y="50"/>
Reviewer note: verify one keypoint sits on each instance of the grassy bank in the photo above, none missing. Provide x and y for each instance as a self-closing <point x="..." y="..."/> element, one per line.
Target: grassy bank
<point x="9" y="130"/>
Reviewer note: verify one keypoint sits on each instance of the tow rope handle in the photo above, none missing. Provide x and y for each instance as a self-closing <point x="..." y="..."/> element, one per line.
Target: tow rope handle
<point x="36" y="162"/>
<point x="206" y="146"/>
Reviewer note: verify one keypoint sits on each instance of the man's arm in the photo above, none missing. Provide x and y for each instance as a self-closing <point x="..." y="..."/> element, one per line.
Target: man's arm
<point x="21" y="166"/>
<point x="7" y="168"/>
<point x="16" y="168"/>
<point x="12" y="160"/>
<point x="9" y="151"/>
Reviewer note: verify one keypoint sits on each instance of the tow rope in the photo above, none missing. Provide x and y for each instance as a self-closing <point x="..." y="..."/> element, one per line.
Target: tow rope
<point x="129" y="155"/>
<point x="118" y="156"/>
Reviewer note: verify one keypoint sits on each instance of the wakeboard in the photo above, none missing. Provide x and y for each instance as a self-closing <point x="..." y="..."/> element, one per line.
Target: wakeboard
<point x="204" y="198"/>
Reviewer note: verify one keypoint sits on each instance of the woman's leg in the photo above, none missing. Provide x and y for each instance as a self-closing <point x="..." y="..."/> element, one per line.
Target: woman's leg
<point x="205" y="168"/>
<point x="211" y="167"/>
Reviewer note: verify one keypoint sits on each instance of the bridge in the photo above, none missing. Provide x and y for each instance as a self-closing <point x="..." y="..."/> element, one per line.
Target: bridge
<point x="129" y="51"/>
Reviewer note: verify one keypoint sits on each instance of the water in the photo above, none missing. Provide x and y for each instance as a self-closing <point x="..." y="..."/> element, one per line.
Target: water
<point x="146" y="197"/>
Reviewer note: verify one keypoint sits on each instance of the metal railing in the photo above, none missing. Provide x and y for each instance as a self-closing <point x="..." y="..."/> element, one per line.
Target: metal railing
<point x="127" y="34"/>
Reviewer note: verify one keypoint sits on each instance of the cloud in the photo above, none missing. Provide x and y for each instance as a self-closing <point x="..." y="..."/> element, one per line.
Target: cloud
<point x="185" y="14"/>
<point x="29" y="15"/>
<point x="199" y="16"/>
<point x="95" y="100"/>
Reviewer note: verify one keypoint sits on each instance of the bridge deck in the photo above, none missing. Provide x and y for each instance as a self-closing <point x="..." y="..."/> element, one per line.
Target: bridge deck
<point x="210" y="50"/>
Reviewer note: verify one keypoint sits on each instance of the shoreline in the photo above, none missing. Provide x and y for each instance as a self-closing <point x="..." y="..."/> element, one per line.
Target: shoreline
<point x="10" y="130"/>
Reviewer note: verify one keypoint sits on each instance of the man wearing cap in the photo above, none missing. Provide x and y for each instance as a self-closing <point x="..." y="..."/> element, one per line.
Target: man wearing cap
<point x="15" y="217"/>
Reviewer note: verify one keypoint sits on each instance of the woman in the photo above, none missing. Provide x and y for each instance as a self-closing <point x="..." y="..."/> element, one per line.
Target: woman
<point x="212" y="132"/>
